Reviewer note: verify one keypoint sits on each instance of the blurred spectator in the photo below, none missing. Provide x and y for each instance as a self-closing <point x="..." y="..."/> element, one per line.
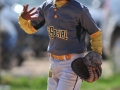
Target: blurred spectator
<point x="9" y="36"/>
<point x="111" y="32"/>
<point x="16" y="44"/>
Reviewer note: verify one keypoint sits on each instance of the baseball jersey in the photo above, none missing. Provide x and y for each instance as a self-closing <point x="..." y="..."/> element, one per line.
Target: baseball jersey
<point x="67" y="26"/>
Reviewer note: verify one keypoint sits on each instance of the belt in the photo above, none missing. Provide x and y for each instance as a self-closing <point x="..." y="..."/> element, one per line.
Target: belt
<point x="62" y="57"/>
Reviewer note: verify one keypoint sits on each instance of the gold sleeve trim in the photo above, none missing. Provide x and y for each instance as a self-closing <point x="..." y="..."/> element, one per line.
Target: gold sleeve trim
<point x="96" y="41"/>
<point x="26" y="25"/>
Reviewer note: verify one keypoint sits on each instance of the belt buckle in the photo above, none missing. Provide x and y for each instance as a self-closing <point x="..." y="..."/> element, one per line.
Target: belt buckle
<point x="68" y="56"/>
<point x="58" y="57"/>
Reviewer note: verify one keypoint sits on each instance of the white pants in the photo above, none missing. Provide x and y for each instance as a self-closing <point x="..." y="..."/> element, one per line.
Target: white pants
<point x="62" y="77"/>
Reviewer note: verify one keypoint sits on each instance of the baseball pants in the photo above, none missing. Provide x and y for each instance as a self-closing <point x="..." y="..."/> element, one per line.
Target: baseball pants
<point x="62" y="76"/>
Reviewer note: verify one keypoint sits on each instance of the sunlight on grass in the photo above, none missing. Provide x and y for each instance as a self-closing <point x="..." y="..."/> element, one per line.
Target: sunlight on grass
<point x="40" y="83"/>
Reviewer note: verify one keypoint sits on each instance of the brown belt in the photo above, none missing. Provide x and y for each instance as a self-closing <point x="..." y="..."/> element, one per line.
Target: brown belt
<point x="62" y="57"/>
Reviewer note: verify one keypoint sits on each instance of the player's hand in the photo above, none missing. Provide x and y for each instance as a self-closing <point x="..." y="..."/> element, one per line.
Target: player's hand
<point x="28" y="15"/>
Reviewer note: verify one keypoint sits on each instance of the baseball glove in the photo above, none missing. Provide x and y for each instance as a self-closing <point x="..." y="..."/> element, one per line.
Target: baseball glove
<point x="88" y="68"/>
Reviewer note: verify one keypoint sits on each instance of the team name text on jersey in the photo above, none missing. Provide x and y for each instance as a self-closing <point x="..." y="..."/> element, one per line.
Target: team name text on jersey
<point x="57" y="33"/>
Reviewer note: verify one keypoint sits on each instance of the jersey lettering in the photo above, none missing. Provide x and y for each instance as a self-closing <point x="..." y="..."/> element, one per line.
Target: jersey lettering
<point x="57" y="33"/>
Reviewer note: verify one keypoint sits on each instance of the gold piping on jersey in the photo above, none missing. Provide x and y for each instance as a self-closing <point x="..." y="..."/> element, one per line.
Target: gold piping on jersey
<point x="62" y="34"/>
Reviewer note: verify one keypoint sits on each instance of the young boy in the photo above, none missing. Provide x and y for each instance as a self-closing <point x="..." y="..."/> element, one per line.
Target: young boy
<point x="67" y="23"/>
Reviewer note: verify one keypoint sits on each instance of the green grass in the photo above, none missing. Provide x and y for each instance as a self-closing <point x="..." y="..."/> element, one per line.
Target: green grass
<point x="111" y="83"/>
<point x="40" y="83"/>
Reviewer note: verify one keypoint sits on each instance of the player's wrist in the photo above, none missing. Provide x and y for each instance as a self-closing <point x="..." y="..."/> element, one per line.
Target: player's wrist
<point x="21" y="19"/>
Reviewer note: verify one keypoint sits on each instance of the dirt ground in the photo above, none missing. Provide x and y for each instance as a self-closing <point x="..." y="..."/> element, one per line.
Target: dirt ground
<point x="40" y="66"/>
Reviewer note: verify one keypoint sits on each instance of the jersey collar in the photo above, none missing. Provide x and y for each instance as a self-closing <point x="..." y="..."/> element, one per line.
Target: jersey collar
<point x="55" y="5"/>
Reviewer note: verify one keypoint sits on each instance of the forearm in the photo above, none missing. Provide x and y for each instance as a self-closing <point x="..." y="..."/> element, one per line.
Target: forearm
<point x="96" y="42"/>
<point x="26" y="25"/>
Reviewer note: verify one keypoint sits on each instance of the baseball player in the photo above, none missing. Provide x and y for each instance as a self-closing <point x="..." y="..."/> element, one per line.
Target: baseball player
<point x="67" y="23"/>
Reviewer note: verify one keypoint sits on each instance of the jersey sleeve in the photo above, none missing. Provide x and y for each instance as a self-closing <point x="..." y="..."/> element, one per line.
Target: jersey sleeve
<point x="96" y="41"/>
<point x="26" y="25"/>
<point x="87" y="21"/>
<point x="89" y="24"/>
<point x="40" y="21"/>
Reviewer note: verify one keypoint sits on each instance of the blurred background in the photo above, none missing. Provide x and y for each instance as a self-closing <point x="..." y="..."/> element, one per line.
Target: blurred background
<point x="24" y="62"/>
